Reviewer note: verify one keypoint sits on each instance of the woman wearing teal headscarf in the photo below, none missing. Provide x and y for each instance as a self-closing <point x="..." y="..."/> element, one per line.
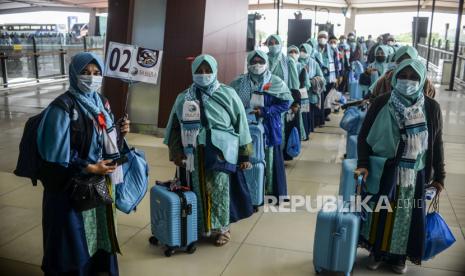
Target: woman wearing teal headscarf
<point x="383" y="85"/>
<point x="403" y="131"/>
<point x="267" y="96"/>
<point x="77" y="136"/>
<point x="280" y="65"/>
<point x="301" y="101"/>
<point x="208" y="120"/>
<point x="313" y="72"/>
<point x="376" y="69"/>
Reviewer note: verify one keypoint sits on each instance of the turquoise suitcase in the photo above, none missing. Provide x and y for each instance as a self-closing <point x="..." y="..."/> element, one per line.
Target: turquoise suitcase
<point x="335" y="243"/>
<point x="173" y="218"/>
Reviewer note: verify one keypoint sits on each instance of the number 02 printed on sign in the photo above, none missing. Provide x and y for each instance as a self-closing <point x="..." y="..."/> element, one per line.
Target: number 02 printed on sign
<point x="132" y="63"/>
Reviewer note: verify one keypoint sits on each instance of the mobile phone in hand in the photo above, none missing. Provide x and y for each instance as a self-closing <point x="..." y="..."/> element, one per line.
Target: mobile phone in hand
<point x="119" y="161"/>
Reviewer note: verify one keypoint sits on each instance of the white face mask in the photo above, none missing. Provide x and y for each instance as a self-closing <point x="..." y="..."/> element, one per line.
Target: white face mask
<point x="89" y="83"/>
<point x="294" y="56"/>
<point x="257" y="69"/>
<point x="391" y="43"/>
<point x="322" y="41"/>
<point x="204" y="80"/>
<point x="333" y="45"/>
<point x="303" y="55"/>
<point x="407" y="88"/>
<point x="343" y="41"/>
<point x="274" y="49"/>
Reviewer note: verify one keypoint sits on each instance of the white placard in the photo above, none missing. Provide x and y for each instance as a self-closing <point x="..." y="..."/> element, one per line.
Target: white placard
<point x="133" y="63"/>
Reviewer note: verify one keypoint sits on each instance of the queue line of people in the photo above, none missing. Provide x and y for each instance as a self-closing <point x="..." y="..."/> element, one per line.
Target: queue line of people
<point x="208" y="137"/>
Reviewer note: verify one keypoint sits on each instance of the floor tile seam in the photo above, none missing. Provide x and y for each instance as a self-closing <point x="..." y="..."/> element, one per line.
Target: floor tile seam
<point x="21" y="235"/>
<point x="279" y="248"/>
<point x="18" y="261"/>
<point x="15" y="189"/>
<point x="241" y="243"/>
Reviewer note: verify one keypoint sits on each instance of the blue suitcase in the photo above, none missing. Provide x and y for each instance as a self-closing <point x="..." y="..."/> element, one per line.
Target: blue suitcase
<point x="335" y="243"/>
<point x="255" y="178"/>
<point x="256" y="132"/>
<point x="347" y="183"/>
<point x="173" y="218"/>
<point x="351" y="147"/>
<point x="354" y="90"/>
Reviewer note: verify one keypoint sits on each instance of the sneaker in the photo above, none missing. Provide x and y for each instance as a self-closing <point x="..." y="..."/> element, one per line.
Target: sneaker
<point x="373" y="264"/>
<point x="399" y="269"/>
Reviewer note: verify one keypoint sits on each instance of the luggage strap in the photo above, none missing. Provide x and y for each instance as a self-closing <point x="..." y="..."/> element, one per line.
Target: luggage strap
<point x="186" y="210"/>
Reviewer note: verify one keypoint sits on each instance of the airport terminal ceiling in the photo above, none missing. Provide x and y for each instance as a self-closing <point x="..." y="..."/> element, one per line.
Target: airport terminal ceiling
<point x="360" y="5"/>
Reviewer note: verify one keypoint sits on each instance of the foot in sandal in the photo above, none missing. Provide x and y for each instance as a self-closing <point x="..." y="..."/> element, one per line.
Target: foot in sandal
<point x="223" y="238"/>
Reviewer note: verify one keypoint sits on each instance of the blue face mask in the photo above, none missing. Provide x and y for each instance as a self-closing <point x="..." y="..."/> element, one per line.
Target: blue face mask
<point x="204" y="80"/>
<point x="274" y="49"/>
<point x="89" y="83"/>
<point x="408" y="88"/>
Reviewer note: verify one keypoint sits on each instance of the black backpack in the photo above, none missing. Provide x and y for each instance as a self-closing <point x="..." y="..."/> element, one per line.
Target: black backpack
<point x="30" y="164"/>
<point x="29" y="160"/>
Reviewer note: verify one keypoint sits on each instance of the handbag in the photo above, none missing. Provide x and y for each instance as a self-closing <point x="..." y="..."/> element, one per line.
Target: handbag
<point x="88" y="192"/>
<point x="214" y="159"/>
<point x="438" y="236"/>
<point x="136" y="177"/>
<point x="375" y="169"/>
<point x="364" y="79"/>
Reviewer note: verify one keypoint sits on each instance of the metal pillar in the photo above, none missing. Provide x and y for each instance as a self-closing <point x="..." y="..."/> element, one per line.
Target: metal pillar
<point x="3" y="59"/>
<point x="35" y="58"/>
<point x="277" y="23"/>
<point x="415" y="42"/>
<point x="456" y="46"/>
<point x="430" y="34"/>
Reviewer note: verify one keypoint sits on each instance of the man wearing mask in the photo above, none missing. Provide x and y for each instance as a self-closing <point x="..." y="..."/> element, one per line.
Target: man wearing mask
<point x="329" y="64"/>
<point x="369" y="43"/>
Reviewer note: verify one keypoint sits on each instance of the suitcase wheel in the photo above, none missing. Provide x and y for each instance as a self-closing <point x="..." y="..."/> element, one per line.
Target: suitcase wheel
<point x="169" y="252"/>
<point x="255" y="209"/>
<point x="318" y="270"/>
<point x="153" y="240"/>
<point x="191" y="248"/>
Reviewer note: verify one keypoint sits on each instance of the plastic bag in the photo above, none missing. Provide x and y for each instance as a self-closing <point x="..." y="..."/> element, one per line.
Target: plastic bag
<point x="438" y="236"/>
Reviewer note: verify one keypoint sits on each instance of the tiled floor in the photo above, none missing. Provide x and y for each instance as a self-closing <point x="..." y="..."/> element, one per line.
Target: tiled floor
<point x="265" y="244"/>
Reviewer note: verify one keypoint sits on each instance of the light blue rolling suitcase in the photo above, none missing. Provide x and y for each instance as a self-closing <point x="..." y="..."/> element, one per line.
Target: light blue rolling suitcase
<point x="351" y="147"/>
<point x="335" y="243"/>
<point x="255" y="177"/>
<point x="173" y="218"/>
<point x="347" y="182"/>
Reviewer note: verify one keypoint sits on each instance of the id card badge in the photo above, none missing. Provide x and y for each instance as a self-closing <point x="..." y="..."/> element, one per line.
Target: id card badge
<point x="303" y="93"/>
<point x="257" y="100"/>
<point x="331" y="67"/>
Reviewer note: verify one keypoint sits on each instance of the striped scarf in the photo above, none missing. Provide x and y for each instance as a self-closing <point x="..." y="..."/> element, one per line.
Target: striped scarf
<point x="414" y="133"/>
<point x="99" y="114"/>
<point x="191" y="120"/>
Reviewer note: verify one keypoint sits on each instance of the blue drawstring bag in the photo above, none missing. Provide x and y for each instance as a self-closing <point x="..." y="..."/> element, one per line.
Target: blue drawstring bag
<point x="352" y="120"/>
<point x="136" y="177"/>
<point x="293" y="143"/>
<point x="438" y="236"/>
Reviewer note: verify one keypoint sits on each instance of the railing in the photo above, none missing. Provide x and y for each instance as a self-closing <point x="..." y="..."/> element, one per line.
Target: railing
<point x="35" y="59"/>
<point x="436" y="55"/>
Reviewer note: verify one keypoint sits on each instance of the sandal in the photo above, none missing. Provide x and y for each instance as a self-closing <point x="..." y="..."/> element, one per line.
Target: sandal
<point x="222" y="238"/>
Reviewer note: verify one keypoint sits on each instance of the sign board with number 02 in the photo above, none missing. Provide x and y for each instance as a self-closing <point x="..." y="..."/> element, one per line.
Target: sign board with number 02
<point x="132" y="63"/>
